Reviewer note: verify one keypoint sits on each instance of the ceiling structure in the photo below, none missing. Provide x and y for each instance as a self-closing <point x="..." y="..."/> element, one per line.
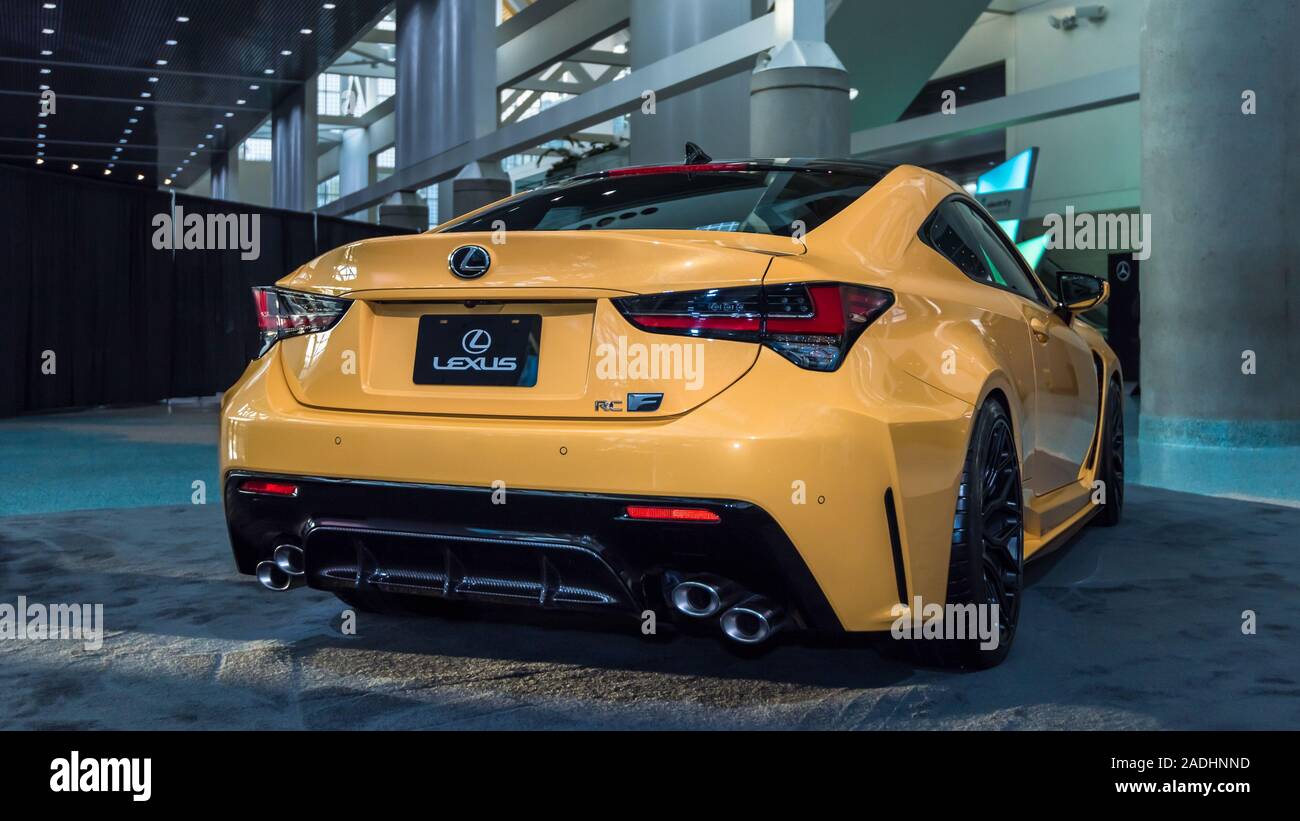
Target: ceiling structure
<point x="150" y="86"/>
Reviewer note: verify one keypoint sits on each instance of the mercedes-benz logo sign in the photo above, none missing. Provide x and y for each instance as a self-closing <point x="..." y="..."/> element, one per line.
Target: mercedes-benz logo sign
<point x="469" y="261"/>
<point x="476" y="341"/>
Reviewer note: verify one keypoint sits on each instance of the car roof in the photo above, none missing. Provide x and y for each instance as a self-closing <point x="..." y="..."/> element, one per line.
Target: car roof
<point x="848" y="165"/>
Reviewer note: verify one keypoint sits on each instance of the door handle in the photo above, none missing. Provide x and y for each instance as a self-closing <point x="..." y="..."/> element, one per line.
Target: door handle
<point x="1039" y="329"/>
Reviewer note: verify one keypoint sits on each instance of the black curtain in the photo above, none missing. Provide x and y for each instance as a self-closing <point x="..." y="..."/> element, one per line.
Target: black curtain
<point x="124" y="322"/>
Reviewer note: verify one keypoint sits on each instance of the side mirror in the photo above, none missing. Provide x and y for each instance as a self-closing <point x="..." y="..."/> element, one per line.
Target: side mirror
<point x="1080" y="293"/>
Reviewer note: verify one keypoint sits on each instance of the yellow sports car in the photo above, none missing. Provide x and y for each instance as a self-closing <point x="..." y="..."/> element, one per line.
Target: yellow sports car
<point x="743" y="397"/>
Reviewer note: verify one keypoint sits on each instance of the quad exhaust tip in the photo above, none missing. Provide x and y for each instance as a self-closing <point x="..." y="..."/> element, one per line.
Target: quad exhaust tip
<point x="703" y="597"/>
<point x="290" y="559"/>
<point x="753" y="621"/>
<point x="284" y="570"/>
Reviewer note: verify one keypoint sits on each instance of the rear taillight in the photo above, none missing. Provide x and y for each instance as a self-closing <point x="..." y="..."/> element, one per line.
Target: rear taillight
<point x="811" y="324"/>
<point x="282" y="313"/>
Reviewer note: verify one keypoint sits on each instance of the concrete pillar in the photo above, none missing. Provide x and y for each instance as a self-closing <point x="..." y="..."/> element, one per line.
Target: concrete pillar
<point x="1219" y="185"/>
<point x="478" y="184"/>
<point x="716" y="116"/>
<point x="354" y="161"/>
<point x="799" y="94"/>
<point x="293" y="150"/>
<point x="224" y="177"/>
<point x="405" y="209"/>
<point x="446" y="75"/>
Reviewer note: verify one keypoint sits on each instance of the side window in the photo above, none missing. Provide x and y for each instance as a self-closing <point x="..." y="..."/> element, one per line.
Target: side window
<point x="1002" y="264"/>
<point x="950" y="236"/>
<point x="973" y="245"/>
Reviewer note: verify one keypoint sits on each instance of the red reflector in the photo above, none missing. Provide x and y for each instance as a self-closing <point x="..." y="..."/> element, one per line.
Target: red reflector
<point x="673" y="514"/>
<point x="268" y="488"/>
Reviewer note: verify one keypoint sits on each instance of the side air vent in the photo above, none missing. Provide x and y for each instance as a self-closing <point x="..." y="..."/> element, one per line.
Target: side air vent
<point x="896" y="546"/>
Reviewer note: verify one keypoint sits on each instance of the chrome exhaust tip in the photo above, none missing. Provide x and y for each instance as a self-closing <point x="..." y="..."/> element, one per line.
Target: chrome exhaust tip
<point x="290" y="559"/>
<point x="703" y="597"/>
<point x="273" y="578"/>
<point x="753" y="621"/>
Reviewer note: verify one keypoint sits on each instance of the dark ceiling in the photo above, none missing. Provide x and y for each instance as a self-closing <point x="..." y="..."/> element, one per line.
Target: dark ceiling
<point x="102" y="54"/>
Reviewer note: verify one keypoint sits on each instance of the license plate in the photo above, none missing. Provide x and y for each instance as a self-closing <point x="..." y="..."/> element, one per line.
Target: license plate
<point x="478" y="350"/>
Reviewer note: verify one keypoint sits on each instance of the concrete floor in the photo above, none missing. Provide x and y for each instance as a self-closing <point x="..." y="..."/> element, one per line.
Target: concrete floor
<point x="1133" y="627"/>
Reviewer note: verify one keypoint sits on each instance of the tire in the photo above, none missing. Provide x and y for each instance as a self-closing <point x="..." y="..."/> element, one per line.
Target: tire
<point x="1110" y="470"/>
<point x="987" y="561"/>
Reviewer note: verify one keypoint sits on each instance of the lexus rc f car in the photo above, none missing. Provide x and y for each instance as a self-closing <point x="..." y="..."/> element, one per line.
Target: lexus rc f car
<point x="744" y="397"/>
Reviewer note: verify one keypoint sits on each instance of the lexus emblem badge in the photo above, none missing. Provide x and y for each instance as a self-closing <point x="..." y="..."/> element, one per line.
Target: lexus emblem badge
<point x="469" y="261"/>
<point x="476" y="342"/>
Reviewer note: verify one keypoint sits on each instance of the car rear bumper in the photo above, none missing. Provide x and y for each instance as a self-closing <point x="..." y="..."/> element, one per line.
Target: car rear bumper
<point x="799" y="466"/>
<point x="539" y="548"/>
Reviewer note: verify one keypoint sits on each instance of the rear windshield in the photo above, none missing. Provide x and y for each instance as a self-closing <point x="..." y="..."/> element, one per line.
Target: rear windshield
<point x="772" y="201"/>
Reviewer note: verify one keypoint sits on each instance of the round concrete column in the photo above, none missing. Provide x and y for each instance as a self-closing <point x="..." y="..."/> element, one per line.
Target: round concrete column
<point x="478" y="184"/>
<point x="714" y="116"/>
<point x="1221" y="287"/>
<point x="799" y="111"/>
<point x="405" y="209"/>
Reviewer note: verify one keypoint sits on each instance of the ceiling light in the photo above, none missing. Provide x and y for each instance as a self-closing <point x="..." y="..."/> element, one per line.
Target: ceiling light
<point x="139" y="177"/>
<point x="167" y="181"/>
<point x="285" y="53"/>
<point x="47" y="31"/>
<point x="230" y="113"/>
<point x="40" y="145"/>
<point x="162" y="62"/>
<point x="208" y="136"/>
<point x="126" y="131"/>
<point x="107" y="171"/>
<point x="39" y="161"/>
<point x="171" y="42"/>
<point x="44" y="87"/>
<point x="194" y="153"/>
<point x="40" y="136"/>
<point x="133" y="121"/>
<point x="45" y="52"/>
<point x="75" y="166"/>
<point x="145" y="94"/>
<point x="49" y="6"/>
<point x="182" y="19"/>
<point x="40" y="153"/>
<point x="304" y="31"/>
<point x="328" y="6"/>
<point x="202" y="145"/>
<point x="268" y="71"/>
<point x="187" y="162"/>
<point x="139" y="108"/>
<point x="219" y="125"/>
<point x="153" y="79"/>
<point x="254" y="87"/>
<point x="240" y="102"/>
<point x="122" y="141"/>
<point x="45" y="71"/>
